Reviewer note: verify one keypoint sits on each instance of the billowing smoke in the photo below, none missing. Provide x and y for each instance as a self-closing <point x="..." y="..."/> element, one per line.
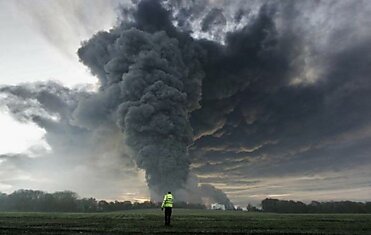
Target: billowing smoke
<point x="215" y="195"/>
<point x="156" y="79"/>
<point x="224" y="91"/>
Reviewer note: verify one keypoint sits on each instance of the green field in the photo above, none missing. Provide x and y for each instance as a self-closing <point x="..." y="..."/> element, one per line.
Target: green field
<point x="183" y="222"/>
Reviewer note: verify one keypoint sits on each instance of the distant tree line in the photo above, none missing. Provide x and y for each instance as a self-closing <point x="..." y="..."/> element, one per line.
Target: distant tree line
<point x="283" y="206"/>
<point x="67" y="201"/>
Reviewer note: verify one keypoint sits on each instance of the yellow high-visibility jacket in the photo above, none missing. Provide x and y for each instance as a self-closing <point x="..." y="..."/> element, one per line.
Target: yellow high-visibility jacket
<point x="168" y="201"/>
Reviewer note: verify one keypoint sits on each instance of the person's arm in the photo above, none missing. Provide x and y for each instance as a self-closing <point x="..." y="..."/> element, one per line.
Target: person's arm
<point x="163" y="202"/>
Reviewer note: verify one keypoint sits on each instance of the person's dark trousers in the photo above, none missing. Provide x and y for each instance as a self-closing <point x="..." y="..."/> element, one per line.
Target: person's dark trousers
<point x="167" y="215"/>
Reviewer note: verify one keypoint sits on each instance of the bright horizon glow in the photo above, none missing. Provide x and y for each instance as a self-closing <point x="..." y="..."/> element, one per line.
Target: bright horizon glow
<point x="18" y="137"/>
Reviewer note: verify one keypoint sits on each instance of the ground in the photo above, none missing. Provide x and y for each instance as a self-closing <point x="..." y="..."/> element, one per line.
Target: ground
<point x="183" y="222"/>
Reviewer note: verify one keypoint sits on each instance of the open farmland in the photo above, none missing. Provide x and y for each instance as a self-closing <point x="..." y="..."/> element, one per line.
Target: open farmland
<point x="184" y="222"/>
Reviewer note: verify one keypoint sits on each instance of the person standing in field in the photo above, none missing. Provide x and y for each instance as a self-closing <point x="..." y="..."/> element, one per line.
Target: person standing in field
<point x="167" y="203"/>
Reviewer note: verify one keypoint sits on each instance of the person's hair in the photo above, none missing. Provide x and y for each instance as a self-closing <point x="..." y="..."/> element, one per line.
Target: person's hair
<point x="169" y="192"/>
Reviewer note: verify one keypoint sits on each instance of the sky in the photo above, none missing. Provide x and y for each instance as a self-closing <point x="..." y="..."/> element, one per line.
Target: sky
<point x="277" y="101"/>
<point x="39" y="58"/>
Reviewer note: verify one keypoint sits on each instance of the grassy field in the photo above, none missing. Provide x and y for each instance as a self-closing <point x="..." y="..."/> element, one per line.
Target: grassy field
<point x="183" y="222"/>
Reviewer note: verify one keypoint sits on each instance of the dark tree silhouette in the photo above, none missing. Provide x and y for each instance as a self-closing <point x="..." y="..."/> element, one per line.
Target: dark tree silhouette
<point x="283" y="206"/>
<point x="67" y="201"/>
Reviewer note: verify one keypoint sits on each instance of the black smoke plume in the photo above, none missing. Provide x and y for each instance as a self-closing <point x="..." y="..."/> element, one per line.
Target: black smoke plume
<point x="154" y="71"/>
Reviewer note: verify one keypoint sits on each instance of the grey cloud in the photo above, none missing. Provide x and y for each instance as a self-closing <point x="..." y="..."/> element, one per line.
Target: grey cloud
<point x="214" y="17"/>
<point x="81" y="156"/>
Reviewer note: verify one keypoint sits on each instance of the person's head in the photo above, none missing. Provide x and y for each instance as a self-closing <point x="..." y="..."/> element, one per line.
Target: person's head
<point x="169" y="192"/>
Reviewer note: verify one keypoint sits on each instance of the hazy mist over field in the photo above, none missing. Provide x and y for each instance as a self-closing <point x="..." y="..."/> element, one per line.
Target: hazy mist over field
<point x="209" y="99"/>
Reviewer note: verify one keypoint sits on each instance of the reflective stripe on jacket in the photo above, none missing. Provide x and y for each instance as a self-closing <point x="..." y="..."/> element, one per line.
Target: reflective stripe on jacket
<point x="168" y="201"/>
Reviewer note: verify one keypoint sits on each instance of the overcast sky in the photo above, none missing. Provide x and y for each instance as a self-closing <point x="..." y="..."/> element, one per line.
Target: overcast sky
<point x="284" y="154"/>
<point x="27" y="55"/>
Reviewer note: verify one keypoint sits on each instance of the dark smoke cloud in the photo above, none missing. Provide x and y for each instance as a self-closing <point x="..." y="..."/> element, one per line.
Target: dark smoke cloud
<point x="156" y="81"/>
<point x="264" y="111"/>
<point x="285" y="88"/>
<point x="281" y="81"/>
<point x="253" y="106"/>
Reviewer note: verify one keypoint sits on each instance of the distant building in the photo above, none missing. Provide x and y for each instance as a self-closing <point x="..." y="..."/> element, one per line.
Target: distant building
<point x="239" y="208"/>
<point x="217" y="206"/>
